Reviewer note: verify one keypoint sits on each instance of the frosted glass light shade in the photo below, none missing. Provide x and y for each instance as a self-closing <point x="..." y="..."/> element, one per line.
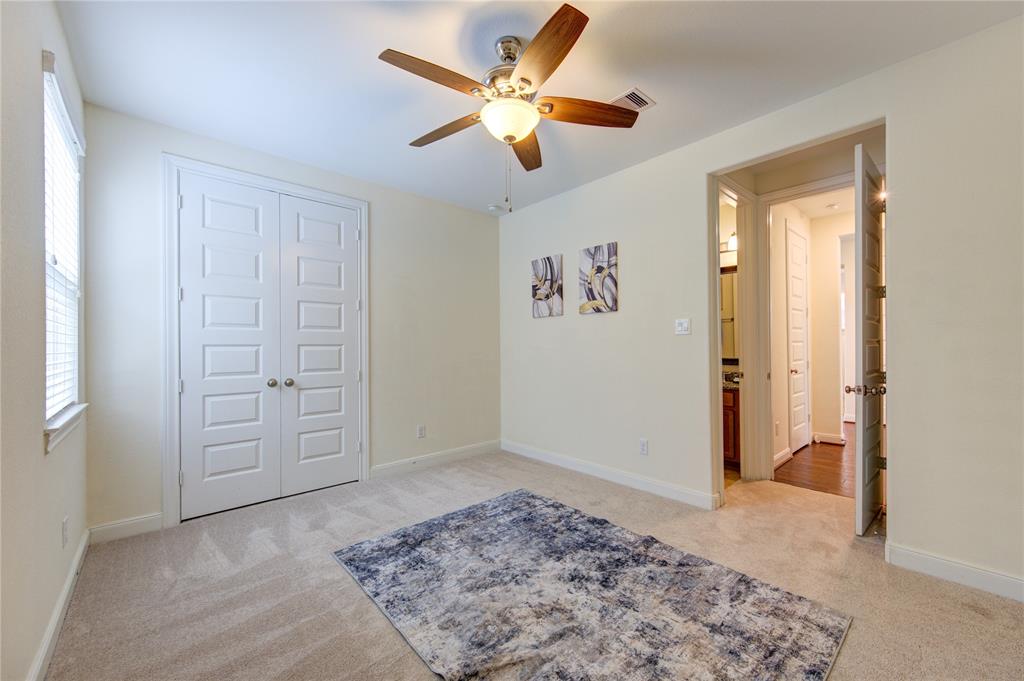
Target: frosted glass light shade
<point x="509" y="119"/>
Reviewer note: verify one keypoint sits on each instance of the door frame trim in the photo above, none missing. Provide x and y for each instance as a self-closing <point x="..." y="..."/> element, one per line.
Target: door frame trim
<point x="170" y="426"/>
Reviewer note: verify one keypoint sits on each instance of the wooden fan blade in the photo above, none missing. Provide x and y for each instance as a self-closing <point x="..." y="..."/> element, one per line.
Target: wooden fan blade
<point x="549" y="47"/>
<point x="438" y="74"/>
<point x="445" y="130"/>
<point x="585" y="112"/>
<point x="528" y="151"/>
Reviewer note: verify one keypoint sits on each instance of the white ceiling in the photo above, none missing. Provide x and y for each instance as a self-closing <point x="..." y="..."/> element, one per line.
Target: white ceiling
<point x="302" y="80"/>
<point x="817" y="206"/>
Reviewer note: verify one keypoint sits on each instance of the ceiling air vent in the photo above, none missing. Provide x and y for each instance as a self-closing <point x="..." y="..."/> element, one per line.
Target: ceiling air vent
<point x="634" y="99"/>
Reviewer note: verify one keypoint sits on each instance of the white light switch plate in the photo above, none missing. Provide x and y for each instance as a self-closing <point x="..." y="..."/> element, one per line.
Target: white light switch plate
<point x="682" y="327"/>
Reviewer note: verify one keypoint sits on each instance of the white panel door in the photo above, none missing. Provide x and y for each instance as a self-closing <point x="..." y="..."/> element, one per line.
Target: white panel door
<point x="229" y="345"/>
<point x="796" y="294"/>
<point x="869" y="207"/>
<point x="320" y="345"/>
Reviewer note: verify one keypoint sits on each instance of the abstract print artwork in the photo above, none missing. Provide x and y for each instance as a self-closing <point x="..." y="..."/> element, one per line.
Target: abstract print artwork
<point x="599" y="278"/>
<point x="546" y="286"/>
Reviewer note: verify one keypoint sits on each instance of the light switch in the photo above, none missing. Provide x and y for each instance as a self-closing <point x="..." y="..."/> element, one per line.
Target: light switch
<point x="682" y="327"/>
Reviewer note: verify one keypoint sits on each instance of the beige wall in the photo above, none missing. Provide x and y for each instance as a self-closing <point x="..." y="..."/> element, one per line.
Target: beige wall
<point x="38" y="489"/>
<point x="784" y="216"/>
<point x="826" y="348"/>
<point x="433" y="322"/>
<point x="589" y="386"/>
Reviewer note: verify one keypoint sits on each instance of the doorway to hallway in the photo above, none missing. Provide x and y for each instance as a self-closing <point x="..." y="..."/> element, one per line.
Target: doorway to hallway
<point x="812" y="377"/>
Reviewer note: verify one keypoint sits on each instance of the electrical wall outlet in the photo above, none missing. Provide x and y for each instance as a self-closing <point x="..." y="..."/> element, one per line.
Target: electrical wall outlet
<point x="643" y="446"/>
<point x="421" y="432"/>
<point x="64" y="532"/>
<point x="683" y="327"/>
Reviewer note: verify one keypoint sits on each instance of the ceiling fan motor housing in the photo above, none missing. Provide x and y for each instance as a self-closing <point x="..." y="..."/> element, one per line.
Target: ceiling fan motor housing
<point x="508" y="48"/>
<point x="499" y="78"/>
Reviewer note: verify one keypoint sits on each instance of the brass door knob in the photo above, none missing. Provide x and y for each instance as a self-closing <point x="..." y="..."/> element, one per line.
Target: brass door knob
<point x="272" y="383"/>
<point x="289" y="382"/>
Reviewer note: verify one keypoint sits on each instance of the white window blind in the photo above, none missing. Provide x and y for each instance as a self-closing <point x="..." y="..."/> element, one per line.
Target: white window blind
<point x="61" y="187"/>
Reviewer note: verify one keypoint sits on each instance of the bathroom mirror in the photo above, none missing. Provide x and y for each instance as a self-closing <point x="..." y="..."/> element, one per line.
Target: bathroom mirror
<point x="730" y="350"/>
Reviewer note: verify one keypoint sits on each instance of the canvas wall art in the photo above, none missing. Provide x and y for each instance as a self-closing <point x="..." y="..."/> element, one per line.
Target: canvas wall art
<point x="599" y="278"/>
<point x="546" y="286"/>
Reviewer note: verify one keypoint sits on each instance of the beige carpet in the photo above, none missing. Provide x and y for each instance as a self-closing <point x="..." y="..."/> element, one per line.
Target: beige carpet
<point x="255" y="593"/>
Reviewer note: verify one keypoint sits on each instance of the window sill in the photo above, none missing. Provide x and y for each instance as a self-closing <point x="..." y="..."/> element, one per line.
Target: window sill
<point x="61" y="425"/>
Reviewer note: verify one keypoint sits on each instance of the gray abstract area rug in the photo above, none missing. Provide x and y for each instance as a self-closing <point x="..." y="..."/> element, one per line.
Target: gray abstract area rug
<point x="524" y="587"/>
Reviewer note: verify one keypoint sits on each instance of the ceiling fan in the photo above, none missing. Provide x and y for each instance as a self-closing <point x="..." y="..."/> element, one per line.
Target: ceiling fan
<point x="510" y="89"/>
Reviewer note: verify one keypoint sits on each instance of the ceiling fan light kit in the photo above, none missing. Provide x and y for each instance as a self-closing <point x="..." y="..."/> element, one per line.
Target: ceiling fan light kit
<point x="510" y="114"/>
<point x="509" y="119"/>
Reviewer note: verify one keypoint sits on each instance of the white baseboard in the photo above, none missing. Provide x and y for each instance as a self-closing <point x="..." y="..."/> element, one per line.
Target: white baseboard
<point x="663" y="489"/>
<point x="119" y="529"/>
<point x="830" y="438"/>
<point x="433" y="459"/>
<point x="782" y="457"/>
<point x="40" y="663"/>
<point x="955" y="571"/>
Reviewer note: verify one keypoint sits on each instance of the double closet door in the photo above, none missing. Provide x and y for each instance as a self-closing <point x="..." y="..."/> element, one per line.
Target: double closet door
<point x="269" y="344"/>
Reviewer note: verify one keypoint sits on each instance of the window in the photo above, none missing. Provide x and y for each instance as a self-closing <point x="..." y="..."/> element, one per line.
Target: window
<point x="61" y="191"/>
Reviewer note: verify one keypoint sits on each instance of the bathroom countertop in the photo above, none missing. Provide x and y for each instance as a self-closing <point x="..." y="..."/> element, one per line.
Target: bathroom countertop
<point x="726" y="383"/>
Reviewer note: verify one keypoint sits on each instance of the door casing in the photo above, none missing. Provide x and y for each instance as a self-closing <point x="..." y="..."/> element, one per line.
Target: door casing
<point x="170" y="350"/>
<point x="757" y="459"/>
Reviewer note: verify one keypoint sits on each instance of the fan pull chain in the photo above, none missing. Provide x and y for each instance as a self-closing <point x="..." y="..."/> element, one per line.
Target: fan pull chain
<point x="508" y="177"/>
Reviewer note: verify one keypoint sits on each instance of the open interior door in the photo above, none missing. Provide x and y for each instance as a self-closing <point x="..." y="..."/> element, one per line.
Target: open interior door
<point x="870" y="206"/>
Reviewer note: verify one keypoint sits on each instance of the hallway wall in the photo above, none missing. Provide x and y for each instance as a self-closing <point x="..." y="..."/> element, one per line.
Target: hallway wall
<point x="826" y="346"/>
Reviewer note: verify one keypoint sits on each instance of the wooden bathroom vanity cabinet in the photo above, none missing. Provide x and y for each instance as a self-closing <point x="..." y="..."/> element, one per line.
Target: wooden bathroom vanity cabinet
<point x="731" y="426"/>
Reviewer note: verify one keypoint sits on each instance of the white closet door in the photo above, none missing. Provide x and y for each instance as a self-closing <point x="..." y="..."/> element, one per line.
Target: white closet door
<point x="230" y="345"/>
<point x="320" y="345"/>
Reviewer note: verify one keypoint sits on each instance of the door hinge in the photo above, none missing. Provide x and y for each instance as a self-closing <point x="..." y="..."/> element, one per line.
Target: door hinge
<point x="881" y="292"/>
<point x="359" y="447"/>
<point x="181" y="201"/>
<point x="181" y="478"/>
<point x="882" y="463"/>
<point x="181" y="386"/>
<point x="359" y="305"/>
<point x="359" y="376"/>
<point x="884" y="377"/>
<point x="359" y="234"/>
<point x="181" y="294"/>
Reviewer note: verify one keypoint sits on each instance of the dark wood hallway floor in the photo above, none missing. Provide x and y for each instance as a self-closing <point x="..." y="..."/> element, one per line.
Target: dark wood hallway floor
<point x="823" y="467"/>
